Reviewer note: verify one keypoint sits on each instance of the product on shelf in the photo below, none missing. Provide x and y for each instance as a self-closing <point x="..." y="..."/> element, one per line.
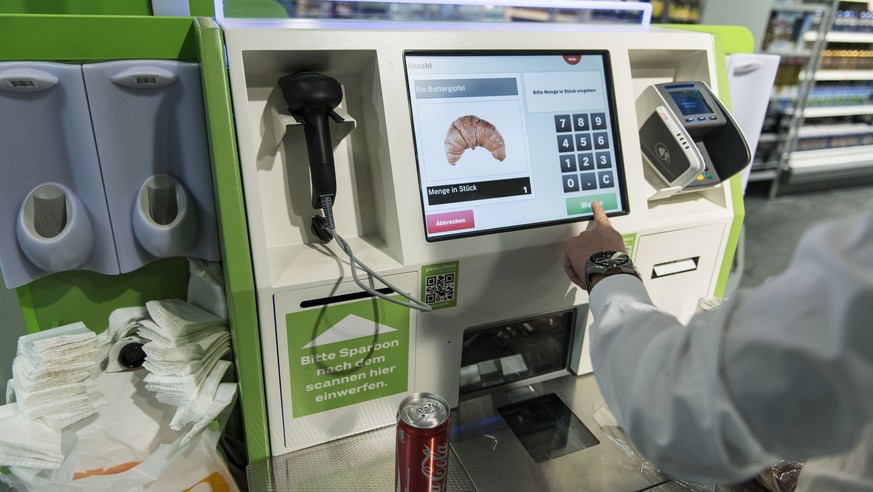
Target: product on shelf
<point x="847" y="59"/>
<point x="812" y="137"/>
<point x="788" y="73"/>
<point x="840" y="94"/>
<point x="853" y="21"/>
<point x="786" y="30"/>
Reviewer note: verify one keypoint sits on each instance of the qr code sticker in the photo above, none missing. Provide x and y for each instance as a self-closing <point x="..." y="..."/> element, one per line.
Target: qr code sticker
<point x="439" y="288"/>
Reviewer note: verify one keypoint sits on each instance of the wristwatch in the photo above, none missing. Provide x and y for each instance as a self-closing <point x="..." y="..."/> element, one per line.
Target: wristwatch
<point x="608" y="263"/>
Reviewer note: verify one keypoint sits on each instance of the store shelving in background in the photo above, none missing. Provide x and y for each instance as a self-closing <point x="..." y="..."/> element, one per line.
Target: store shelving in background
<point x="786" y="33"/>
<point x="463" y="11"/>
<point x="834" y="129"/>
<point x="818" y="132"/>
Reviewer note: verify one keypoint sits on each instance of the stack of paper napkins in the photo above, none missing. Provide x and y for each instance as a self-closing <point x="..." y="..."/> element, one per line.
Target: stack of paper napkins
<point x="50" y="376"/>
<point x="26" y="443"/>
<point x="183" y="356"/>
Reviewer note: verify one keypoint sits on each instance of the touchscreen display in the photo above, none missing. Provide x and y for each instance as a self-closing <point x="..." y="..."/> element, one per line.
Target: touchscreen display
<point x="509" y="141"/>
<point x="690" y="102"/>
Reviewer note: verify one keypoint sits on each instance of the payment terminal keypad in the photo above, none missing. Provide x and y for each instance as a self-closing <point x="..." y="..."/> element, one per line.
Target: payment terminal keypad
<point x="584" y="152"/>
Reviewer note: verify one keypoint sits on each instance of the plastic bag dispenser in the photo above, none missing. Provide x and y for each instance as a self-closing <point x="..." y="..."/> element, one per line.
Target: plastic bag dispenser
<point x="151" y="135"/>
<point x="53" y="210"/>
<point x="688" y="138"/>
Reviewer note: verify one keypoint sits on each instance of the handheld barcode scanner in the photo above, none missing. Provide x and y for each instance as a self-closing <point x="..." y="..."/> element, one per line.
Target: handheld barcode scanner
<point x="311" y="97"/>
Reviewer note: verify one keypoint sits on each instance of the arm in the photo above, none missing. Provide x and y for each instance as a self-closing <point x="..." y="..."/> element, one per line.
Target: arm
<point x="663" y="382"/>
<point x="784" y="371"/>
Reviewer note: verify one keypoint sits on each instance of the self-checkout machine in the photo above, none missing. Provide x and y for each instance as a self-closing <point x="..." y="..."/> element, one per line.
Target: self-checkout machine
<point x="464" y="156"/>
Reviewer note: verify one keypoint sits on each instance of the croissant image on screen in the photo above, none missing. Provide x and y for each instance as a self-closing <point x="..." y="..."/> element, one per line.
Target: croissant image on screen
<point x="469" y="132"/>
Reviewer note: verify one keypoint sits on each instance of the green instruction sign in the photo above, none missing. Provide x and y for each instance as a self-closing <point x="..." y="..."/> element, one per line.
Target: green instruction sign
<point x="439" y="284"/>
<point x="630" y="242"/>
<point x="345" y="354"/>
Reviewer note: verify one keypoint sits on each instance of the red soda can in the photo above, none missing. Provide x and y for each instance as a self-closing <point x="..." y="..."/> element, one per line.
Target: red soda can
<point x="423" y="428"/>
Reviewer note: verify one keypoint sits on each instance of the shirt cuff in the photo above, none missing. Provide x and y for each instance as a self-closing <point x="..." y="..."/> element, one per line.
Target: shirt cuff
<point x="621" y="285"/>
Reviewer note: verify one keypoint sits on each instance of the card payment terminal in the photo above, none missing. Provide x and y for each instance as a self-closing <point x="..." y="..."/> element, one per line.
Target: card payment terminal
<point x="687" y="137"/>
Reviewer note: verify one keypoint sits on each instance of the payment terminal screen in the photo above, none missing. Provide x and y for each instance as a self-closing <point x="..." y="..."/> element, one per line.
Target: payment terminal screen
<point x="511" y="141"/>
<point x="690" y="102"/>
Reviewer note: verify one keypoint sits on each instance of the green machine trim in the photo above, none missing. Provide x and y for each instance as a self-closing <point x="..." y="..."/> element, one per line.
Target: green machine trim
<point x="727" y="41"/>
<point x="97" y="7"/>
<point x="233" y="229"/>
<point x="95" y="38"/>
<point x="78" y="7"/>
<point x="254" y="9"/>
<point x="90" y="297"/>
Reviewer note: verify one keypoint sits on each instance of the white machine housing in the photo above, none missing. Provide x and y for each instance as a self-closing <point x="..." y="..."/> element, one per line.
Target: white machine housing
<point x="501" y="276"/>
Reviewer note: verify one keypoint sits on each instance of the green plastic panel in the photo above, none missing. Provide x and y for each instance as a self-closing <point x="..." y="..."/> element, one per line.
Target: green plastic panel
<point x="96" y="7"/>
<point x="254" y="9"/>
<point x="205" y="8"/>
<point x="77" y="7"/>
<point x="233" y="229"/>
<point x="728" y="40"/>
<point x="96" y="38"/>
<point x="90" y="297"/>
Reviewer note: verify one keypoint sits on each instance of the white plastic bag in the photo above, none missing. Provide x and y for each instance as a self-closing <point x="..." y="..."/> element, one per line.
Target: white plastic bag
<point x="130" y="447"/>
<point x="171" y="467"/>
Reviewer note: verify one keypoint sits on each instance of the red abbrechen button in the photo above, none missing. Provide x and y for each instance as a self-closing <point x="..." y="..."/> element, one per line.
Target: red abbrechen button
<point x="450" y="221"/>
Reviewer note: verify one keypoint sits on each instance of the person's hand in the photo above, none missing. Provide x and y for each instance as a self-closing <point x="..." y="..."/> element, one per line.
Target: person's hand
<point x="598" y="236"/>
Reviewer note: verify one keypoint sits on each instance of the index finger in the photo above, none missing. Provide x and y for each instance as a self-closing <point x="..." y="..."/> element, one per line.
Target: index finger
<point x="599" y="213"/>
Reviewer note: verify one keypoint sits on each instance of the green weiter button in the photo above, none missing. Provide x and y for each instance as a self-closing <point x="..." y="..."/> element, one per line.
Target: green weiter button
<point x="582" y="204"/>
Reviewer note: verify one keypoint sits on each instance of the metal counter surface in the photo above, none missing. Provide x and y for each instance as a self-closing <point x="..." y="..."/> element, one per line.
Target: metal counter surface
<point x="365" y="462"/>
<point x="496" y="460"/>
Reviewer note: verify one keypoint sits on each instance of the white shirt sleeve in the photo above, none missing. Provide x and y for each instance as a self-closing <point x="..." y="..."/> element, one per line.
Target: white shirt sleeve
<point x="784" y="371"/>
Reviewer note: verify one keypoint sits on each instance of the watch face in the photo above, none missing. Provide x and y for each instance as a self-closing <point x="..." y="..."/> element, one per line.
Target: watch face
<point x="610" y="259"/>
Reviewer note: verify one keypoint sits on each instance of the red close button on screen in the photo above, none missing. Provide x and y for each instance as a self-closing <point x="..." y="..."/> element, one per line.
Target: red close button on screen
<point x="450" y="221"/>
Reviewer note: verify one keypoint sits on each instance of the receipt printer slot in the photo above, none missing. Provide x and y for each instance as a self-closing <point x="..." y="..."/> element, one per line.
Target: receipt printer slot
<point x="675" y="267"/>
